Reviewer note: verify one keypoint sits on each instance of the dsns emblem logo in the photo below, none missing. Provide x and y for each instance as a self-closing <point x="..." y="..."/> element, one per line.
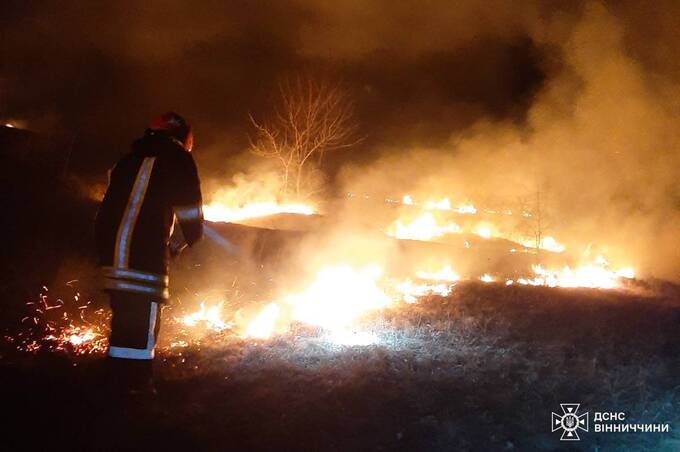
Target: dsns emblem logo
<point x="570" y="422"/>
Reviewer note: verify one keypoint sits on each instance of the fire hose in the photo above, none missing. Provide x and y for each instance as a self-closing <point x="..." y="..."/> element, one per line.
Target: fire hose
<point x="178" y="243"/>
<point x="219" y="240"/>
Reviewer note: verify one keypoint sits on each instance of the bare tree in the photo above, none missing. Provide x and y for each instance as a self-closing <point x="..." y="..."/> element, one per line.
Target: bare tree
<point x="310" y="119"/>
<point x="534" y="209"/>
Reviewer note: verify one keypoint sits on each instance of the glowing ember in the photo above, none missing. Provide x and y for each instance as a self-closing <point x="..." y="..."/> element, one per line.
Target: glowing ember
<point x="63" y="326"/>
<point x="179" y="344"/>
<point x="209" y="317"/>
<point x="224" y="213"/>
<point x="80" y="340"/>
<point x="424" y="227"/>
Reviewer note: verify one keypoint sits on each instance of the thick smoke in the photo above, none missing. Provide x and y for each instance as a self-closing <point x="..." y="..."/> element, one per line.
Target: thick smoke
<point x="600" y="146"/>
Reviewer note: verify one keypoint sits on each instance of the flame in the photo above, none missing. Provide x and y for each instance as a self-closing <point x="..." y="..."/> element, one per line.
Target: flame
<point x="337" y="296"/>
<point x="224" y="213"/>
<point x="466" y="209"/>
<point x="594" y="275"/>
<point x="424" y="227"/>
<point x="210" y="317"/>
<point x="263" y="325"/>
<point x="250" y="195"/>
<point x="411" y="291"/>
<point x="446" y="273"/>
<point x="443" y="204"/>
<point x="484" y="231"/>
<point x="548" y="243"/>
<point x="487" y="278"/>
<point x="427" y="227"/>
<point x="439" y="204"/>
<point x="79" y="338"/>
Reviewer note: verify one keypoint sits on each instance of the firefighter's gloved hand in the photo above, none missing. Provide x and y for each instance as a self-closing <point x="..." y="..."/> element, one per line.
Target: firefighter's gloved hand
<point x="176" y="245"/>
<point x="176" y="250"/>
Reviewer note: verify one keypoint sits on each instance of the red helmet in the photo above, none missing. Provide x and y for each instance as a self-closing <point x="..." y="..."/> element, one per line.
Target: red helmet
<point x="175" y="126"/>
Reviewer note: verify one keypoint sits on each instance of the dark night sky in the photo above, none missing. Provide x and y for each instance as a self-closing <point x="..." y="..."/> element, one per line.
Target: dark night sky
<point x="419" y="70"/>
<point x="99" y="70"/>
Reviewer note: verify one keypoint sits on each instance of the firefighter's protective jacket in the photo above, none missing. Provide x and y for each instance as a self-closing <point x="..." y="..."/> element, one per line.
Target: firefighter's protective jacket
<point x="150" y="186"/>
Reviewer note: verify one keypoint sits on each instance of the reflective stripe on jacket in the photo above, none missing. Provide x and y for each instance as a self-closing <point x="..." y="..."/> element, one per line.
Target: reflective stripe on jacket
<point x="149" y="187"/>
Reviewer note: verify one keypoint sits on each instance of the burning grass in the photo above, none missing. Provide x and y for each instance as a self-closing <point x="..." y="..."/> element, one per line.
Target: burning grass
<point x="333" y="303"/>
<point x="480" y="368"/>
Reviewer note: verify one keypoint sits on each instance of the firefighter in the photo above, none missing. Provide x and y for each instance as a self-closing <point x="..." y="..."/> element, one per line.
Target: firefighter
<point x="151" y="188"/>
